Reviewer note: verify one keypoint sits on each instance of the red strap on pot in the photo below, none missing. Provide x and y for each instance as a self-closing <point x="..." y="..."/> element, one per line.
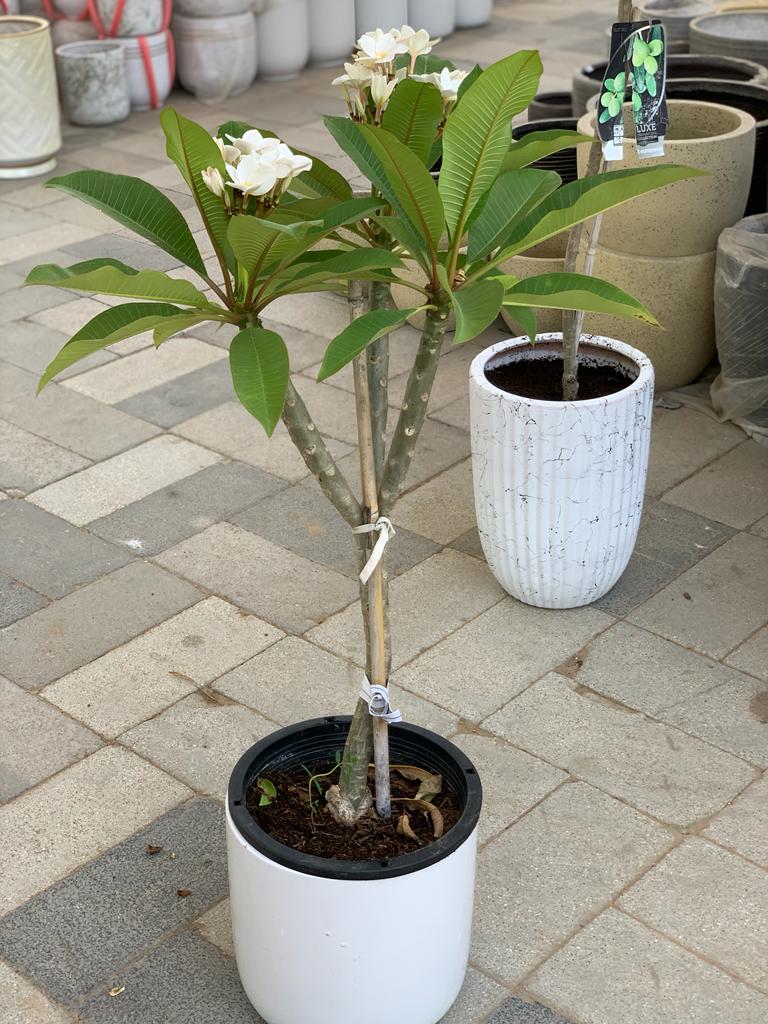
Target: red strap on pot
<point x="93" y="11"/>
<point x="171" y="52"/>
<point x="149" y="71"/>
<point x="4" y="7"/>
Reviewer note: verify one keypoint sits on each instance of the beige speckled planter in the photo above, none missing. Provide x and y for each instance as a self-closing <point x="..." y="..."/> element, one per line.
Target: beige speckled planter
<point x="546" y="258"/>
<point x="686" y="217"/>
<point x="679" y="293"/>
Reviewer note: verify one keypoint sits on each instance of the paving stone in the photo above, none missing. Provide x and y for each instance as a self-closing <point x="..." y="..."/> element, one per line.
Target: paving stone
<point x="275" y="584"/>
<point x="676" y="536"/>
<point x="320" y="684"/>
<point x="469" y="543"/>
<point x="22" y="1003"/>
<point x="478" y="995"/>
<point x="743" y="825"/>
<point x="682" y="442"/>
<point x="442" y="509"/>
<point x="452" y="380"/>
<point x="303" y="520"/>
<point x="711" y="901"/>
<point x="73" y="936"/>
<point x="617" y="970"/>
<point x="145" y="675"/>
<point x="478" y="668"/>
<point x="742" y="471"/>
<point x="199" y="742"/>
<point x="402" y="347"/>
<point x="91" y="621"/>
<point x="35" y="740"/>
<point x="71" y="316"/>
<point x="652" y="766"/>
<point x="455" y="414"/>
<point x="752" y="655"/>
<point x="9" y="281"/>
<point x="71" y="420"/>
<point x="49" y="555"/>
<point x="184" y="981"/>
<point x="718" y="603"/>
<point x="326" y="319"/>
<point x="533" y="892"/>
<point x="449" y="589"/>
<point x="215" y="926"/>
<point x="88" y="808"/>
<point x="191" y="504"/>
<point x="515" y="1011"/>
<point x="32" y="346"/>
<point x="58" y="235"/>
<point x="102" y="489"/>
<point x="133" y="251"/>
<point x="761" y="528"/>
<point x="28" y="461"/>
<point x="16" y="601"/>
<point x="331" y="409"/>
<point x="642" y="578"/>
<point x="183" y="397"/>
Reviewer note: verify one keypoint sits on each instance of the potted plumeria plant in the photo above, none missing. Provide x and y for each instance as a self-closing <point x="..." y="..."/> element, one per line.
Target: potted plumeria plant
<point x="328" y="891"/>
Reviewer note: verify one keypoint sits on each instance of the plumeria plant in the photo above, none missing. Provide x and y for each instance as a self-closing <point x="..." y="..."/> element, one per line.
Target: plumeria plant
<point x="281" y="222"/>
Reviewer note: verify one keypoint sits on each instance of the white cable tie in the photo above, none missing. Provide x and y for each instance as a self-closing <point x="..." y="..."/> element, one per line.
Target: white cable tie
<point x="377" y="699"/>
<point x="386" y="532"/>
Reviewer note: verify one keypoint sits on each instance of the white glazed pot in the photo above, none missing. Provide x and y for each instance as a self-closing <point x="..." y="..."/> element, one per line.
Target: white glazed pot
<point x="71" y="8"/>
<point x="384" y="14"/>
<point x="29" y="102"/>
<point x="68" y="30"/>
<point x="210" y="8"/>
<point x="438" y="17"/>
<point x="472" y="13"/>
<point x="215" y="57"/>
<point x="93" y="81"/>
<point x="312" y="934"/>
<point x="331" y="31"/>
<point x="559" y="485"/>
<point x="150" y="68"/>
<point x="139" y="17"/>
<point x="282" y="37"/>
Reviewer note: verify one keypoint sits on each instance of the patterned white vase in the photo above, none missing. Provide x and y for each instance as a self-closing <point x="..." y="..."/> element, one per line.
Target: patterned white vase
<point x="30" y="132"/>
<point x="559" y="485"/>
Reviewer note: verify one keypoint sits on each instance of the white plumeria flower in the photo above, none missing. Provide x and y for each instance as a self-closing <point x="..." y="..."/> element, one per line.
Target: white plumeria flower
<point x="288" y="164"/>
<point x="417" y="42"/>
<point x="379" y="48"/>
<point x="213" y="181"/>
<point x="255" y="174"/>
<point x="447" y="82"/>
<point x="381" y="90"/>
<point x="230" y="154"/>
<point x="356" y="74"/>
<point x="254" y="142"/>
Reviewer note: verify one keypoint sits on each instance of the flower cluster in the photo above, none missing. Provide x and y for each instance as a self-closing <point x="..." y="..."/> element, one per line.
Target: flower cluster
<point x="258" y="166"/>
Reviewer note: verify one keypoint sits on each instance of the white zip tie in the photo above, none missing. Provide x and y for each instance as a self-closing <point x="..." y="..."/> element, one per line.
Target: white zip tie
<point x="377" y="698"/>
<point x="386" y="532"/>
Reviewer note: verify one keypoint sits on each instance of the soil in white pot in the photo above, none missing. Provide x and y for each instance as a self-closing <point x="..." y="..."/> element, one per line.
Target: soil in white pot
<point x="542" y="378"/>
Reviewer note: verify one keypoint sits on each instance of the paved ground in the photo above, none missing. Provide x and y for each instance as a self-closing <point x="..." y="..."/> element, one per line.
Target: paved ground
<point x="172" y="583"/>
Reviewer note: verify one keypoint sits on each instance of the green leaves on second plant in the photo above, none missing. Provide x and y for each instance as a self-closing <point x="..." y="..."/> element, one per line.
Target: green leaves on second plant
<point x="512" y="196"/>
<point x="413" y="114"/>
<point x="476" y="306"/>
<point x="110" y="277"/>
<point x="355" y="338"/>
<point x="576" y="291"/>
<point x="258" y="360"/>
<point x="536" y="145"/>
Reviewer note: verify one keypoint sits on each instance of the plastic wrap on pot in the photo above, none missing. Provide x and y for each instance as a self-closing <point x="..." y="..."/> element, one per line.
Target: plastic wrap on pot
<point x="740" y="391"/>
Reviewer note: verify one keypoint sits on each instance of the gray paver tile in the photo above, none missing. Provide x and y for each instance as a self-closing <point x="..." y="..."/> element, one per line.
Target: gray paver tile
<point x="183" y="397"/>
<point x="752" y="655"/>
<point x="89" y="622"/>
<point x="132" y="251"/>
<point x="452" y="381"/>
<point x="743" y="825"/>
<point x="449" y="589"/>
<point x="642" y="578"/>
<point x="28" y="461"/>
<point x="533" y="892"/>
<point x="186" y="507"/>
<point x="652" y="766"/>
<point x="31" y="346"/>
<point x="268" y="580"/>
<point x="442" y="509"/>
<point x="478" y="995"/>
<point x="677" y="536"/>
<point x="76" y="934"/>
<point x="326" y="319"/>
<point x="617" y="970"/>
<point x="89" y="807"/>
<point x="16" y="601"/>
<point x="69" y="317"/>
<point x="455" y="414"/>
<point x="711" y="901"/>
<point x="516" y="1011"/>
<point x="22" y="1003"/>
<point x="50" y="555"/>
<point x="478" y="668"/>
<point x="331" y="409"/>
<point x="683" y="441"/>
<point x="742" y="471"/>
<point x="60" y="235"/>
<point x="215" y="925"/>
<point x="761" y="528"/>
<point x="36" y="741"/>
<point x="727" y="599"/>
<point x="302" y="519"/>
<point x="469" y="543"/>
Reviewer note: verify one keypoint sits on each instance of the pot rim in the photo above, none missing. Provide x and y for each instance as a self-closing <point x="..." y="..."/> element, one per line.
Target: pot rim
<point x="35" y="25"/>
<point x="352" y="870"/>
<point x="643" y="363"/>
<point x="87" y="48"/>
<point x="722" y="61"/>
<point x="746" y="123"/>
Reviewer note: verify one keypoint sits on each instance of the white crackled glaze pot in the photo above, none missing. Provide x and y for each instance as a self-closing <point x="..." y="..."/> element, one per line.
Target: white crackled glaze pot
<point x="559" y="485"/>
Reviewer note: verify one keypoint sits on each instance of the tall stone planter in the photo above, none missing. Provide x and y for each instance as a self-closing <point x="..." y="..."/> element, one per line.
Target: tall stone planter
<point x="384" y="14"/>
<point x="29" y="102"/>
<point x="473" y="13"/>
<point x="282" y="34"/>
<point x="735" y="33"/>
<point x="215" y="57"/>
<point x="331" y="31"/>
<point x="93" y="82"/>
<point x="438" y="17"/>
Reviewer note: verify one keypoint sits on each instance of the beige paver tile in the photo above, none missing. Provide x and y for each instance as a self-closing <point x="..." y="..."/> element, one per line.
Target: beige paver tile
<point x="42" y="240"/>
<point x="743" y="471"/>
<point x="125" y="478"/>
<point x="443" y="508"/>
<point x="324" y="316"/>
<point x="480" y="667"/>
<point x="743" y="825"/>
<point x="448" y="589"/>
<point x="77" y="815"/>
<point x="617" y="970"/>
<point x="215" y="925"/>
<point x="683" y="441"/>
<point x="145" y="369"/>
<point x="268" y="580"/>
<point x="145" y="675"/>
<point x="478" y="996"/>
<point x="718" y="603"/>
<point x="652" y="766"/>
<point x="70" y="316"/>
<point x="331" y="409"/>
<point x="713" y="902"/>
<point x="761" y="528"/>
<point x="455" y="414"/>
<point x="22" y="1003"/>
<point x="28" y="462"/>
<point x="752" y="655"/>
<point x="551" y="870"/>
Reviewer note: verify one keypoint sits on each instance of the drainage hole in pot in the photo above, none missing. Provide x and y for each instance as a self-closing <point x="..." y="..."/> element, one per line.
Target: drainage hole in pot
<point x="541" y="377"/>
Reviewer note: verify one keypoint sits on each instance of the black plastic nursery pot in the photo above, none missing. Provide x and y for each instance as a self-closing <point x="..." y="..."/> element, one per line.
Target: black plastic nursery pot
<point x="564" y="162"/>
<point x="545" y="105"/>
<point x="319" y="739"/>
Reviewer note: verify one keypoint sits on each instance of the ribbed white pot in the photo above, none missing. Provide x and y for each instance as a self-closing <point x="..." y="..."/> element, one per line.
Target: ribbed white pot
<point x="215" y="57"/>
<point x="282" y="36"/>
<point x="471" y="13"/>
<point x="150" y="70"/>
<point x="559" y="485"/>
<point x="384" y="14"/>
<point x="331" y="31"/>
<point x="438" y="17"/>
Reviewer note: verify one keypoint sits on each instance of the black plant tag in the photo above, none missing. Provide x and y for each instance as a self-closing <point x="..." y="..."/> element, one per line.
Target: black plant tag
<point x="610" y="122"/>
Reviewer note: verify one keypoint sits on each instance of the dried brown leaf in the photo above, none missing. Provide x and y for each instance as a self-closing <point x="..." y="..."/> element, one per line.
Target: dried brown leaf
<point x="152" y="850"/>
<point x="404" y="828"/>
<point x="116" y="990"/>
<point x="183" y="893"/>
<point x="213" y="697"/>
<point x="430" y="788"/>
<point x="411" y="772"/>
<point x="438" y="823"/>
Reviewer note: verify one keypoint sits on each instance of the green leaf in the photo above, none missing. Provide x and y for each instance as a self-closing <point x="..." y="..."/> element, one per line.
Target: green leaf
<point x="614" y="106"/>
<point x="639" y="51"/>
<point x="476" y="134"/>
<point x="651" y="66"/>
<point x="175" y="325"/>
<point x="257" y="244"/>
<point x="114" y="324"/>
<point x="339" y="265"/>
<point x="408" y="237"/>
<point x="655" y="48"/>
<point x="468" y="82"/>
<point x="605" y="115"/>
<point x="512" y="197"/>
<point x="650" y="82"/>
<point x="476" y="306"/>
<point x="619" y="83"/>
<point x="136" y="205"/>
<point x="118" y="279"/>
<point x="605" y="99"/>
<point x="355" y="338"/>
<point x="536" y="145"/>
<point x="576" y="291"/>
<point x="525" y="318"/>
<point x="413" y="114"/>
<point x="258" y="360"/>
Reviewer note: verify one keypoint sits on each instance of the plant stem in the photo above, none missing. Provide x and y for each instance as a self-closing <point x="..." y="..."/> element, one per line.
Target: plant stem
<point x="377" y="360"/>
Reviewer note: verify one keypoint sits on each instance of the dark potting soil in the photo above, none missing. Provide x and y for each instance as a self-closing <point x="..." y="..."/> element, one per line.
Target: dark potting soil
<point x="542" y="378"/>
<point x="304" y="825"/>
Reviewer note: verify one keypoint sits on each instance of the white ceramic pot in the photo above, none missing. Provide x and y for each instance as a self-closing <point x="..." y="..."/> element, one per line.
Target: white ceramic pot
<point x="30" y="132"/>
<point x="215" y="57"/>
<point x="331" y="31"/>
<point x="559" y="485"/>
<point x="149" y="63"/>
<point x="472" y="13"/>
<point x="93" y="81"/>
<point x="138" y="18"/>
<point x="312" y="935"/>
<point x="9" y="7"/>
<point x="210" y="8"/>
<point x="282" y="37"/>
<point x="438" y="17"/>
<point x="71" y="8"/>
<point x="69" y="30"/>
<point x="384" y="14"/>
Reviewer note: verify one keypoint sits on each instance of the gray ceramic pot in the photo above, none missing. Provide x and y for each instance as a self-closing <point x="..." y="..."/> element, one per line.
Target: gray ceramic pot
<point x="676" y="15"/>
<point x="734" y="33"/>
<point x="93" y="81"/>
